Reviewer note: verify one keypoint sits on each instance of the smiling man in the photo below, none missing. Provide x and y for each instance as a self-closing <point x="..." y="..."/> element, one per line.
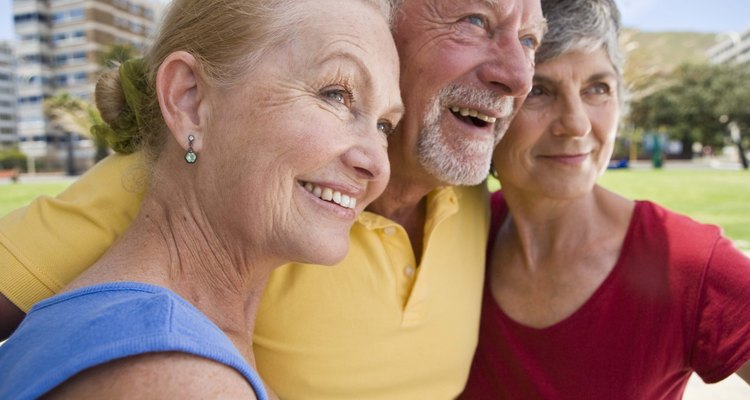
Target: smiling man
<point x="398" y="318"/>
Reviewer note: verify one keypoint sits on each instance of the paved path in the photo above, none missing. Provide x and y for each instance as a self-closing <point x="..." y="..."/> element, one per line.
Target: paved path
<point x="732" y="388"/>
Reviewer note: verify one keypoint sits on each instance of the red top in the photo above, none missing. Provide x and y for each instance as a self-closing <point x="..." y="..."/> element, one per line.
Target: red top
<point x="674" y="303"/>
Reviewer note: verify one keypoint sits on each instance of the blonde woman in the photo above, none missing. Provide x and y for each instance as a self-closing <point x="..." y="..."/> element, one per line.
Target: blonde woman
<point x="266" y="135"/>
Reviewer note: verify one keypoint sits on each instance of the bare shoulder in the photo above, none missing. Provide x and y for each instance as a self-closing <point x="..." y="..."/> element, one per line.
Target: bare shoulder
<point x="744" y="372"/>
<point x="156" y="376"/>
<point x="10" y="317"/>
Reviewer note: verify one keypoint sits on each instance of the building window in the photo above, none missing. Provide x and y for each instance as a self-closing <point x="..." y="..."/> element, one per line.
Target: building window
<point x="33" y="80"/>
<point x="30" y="100"/>
<point x="31" y="59"/>
<point x="61" y="80"/>
<point x="74" y="14"/>
<point x="32" y="38"/>
<point x="70" y="58"/>
<point x="71" y="36"/>
<point x="29" y="17"/>
<point x="77" y="13"/>
<point x="71" y="79"/>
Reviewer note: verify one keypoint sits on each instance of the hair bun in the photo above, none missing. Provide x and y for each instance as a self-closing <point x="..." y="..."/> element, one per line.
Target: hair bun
<point x="121" y="95"/>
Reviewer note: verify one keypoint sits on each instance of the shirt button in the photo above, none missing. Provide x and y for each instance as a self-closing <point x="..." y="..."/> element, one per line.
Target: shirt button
<point x="390" y="231"/>
<point x="409" y="271"/>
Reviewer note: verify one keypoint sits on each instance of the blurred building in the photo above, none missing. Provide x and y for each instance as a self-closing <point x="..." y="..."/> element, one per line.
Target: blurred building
<point x="57" y="49"/>
<point x="8" y="134"/>
<point x="733" y="48"/>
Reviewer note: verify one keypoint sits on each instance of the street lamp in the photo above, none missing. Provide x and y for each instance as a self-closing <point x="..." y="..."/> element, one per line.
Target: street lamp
<point x="734" y="133"/>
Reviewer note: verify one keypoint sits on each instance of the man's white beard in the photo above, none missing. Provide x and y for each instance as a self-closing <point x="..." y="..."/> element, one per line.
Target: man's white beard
<point x="464" y="161"/>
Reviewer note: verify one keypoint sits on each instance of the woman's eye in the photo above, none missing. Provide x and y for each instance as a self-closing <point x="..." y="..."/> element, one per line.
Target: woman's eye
<point x="339" y="95"/>
<point x="477" y="20"/>
<point x="386" y="127"/>
<point x="598" y="89"/>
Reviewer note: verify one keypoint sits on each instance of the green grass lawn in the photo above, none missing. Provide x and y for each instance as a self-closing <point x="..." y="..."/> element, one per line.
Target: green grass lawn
<point x="16" y="195"/>
<point x="716" y="197"/>
<point x="711" y="196"/>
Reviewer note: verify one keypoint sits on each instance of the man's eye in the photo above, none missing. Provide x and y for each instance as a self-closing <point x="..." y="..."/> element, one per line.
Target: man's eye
<point x="477" y="20"/>
<point x="536" y="91"/>
<point x="530" y="42"/>
<point x="386" y="127"/>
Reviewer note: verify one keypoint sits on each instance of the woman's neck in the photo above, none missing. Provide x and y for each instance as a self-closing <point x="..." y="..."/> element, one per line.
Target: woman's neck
<point x="546" y="228"/>
<point x="175" y="248"/>
<point x="550" y="256"/>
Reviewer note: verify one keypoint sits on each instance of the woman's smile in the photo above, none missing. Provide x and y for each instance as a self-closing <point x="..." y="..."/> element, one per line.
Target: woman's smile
<point x="567" y="159"/>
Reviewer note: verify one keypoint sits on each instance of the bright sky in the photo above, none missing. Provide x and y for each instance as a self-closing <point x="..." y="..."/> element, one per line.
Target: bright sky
<point x="650" y="15"/>
<point x="716" y="16"/>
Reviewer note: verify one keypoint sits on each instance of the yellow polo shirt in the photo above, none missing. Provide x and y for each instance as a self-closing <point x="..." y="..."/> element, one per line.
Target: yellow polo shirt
<point x="51" y="241"/>
<point x="376" y="326"/>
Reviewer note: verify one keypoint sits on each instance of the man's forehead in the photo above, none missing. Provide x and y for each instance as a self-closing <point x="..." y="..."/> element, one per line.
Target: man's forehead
<point x="528" y="7"/>
<point x="529" y="12"/>
<point x="492" y="3"/>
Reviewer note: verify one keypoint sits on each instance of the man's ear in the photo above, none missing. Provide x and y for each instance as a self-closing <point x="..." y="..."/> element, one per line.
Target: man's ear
<point x="180" y="91"/>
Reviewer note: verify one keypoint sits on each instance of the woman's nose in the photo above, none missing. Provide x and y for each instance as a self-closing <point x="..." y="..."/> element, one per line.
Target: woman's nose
<point x="369" y="156"/>
<point x="573" y="119"/>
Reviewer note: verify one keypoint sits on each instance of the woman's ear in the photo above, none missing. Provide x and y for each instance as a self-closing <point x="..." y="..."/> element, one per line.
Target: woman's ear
<point x="180" y="91"/>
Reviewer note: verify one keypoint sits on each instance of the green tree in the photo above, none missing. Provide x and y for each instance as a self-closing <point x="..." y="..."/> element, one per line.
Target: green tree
<point x="75" y="115"/>
<point x="690" y="102"/>
<point x="116" y="54"/>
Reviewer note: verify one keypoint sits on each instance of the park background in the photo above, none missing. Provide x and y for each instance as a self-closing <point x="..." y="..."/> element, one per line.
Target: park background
<point x="676" y="142"/>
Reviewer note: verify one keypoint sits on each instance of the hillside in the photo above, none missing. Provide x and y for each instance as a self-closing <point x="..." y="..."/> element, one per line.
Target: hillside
<point x="650" y="54"/>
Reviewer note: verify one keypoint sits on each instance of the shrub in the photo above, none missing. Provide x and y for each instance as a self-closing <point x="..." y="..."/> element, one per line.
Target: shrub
<point x="12" y="158"/>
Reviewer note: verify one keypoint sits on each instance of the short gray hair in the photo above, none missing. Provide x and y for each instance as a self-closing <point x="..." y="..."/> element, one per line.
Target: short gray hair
<point x="395" y="8"/>
<point x="395" y="4"/>
<point x="581" y="25"/>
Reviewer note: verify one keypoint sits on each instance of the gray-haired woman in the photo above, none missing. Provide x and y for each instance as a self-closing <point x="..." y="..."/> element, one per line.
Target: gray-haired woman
<point x="590" y="295"/>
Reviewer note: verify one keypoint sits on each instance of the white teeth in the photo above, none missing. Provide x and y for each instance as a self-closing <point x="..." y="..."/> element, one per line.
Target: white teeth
<point x="464" y="112"/>
<point x="487" y="118"/>
<point x="329" y="194"/>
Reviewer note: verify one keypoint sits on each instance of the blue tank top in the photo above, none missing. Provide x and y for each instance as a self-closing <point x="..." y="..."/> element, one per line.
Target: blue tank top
<point x="66" y="334"/>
